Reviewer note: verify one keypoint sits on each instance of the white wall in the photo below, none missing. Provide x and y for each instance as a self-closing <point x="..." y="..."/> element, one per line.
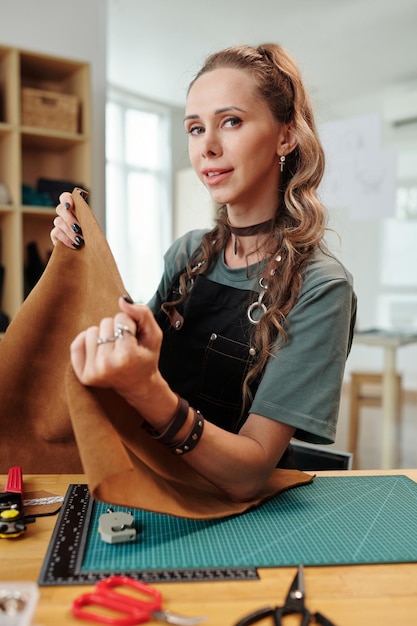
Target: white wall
<point x="75" y="30"/>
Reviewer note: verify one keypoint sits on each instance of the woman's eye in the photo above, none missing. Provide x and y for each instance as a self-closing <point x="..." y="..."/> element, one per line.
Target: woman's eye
<point x="232" y="121"/>
<point x="195" y="130"/>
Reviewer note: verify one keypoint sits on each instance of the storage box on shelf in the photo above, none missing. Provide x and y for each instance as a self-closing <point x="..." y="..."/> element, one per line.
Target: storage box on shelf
<point x="48" y="109"/>
<point x="44" y="135"/>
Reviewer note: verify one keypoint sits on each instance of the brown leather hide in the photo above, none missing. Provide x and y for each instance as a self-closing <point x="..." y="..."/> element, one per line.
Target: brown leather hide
<point x="42" y="403"/>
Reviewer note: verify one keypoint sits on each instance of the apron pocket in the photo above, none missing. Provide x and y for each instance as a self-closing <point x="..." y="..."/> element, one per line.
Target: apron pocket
<point x="225" y="365"/>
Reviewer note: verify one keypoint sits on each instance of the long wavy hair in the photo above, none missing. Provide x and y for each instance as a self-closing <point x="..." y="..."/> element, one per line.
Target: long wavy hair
<point x="300" y="218"/>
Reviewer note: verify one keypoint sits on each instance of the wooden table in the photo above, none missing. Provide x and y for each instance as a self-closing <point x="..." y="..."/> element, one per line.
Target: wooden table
<point x="389" y="341"/>
<point x="363" y="595"/>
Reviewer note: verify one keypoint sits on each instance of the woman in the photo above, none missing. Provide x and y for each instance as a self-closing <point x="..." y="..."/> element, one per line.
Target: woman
<point x="244" y="344"/>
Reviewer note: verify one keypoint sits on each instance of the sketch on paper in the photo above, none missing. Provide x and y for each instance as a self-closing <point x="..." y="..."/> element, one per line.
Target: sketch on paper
<point x="360" y="175"/>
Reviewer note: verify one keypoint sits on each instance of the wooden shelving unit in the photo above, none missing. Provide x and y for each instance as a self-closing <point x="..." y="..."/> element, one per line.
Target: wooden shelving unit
<point x="28" y="153"/>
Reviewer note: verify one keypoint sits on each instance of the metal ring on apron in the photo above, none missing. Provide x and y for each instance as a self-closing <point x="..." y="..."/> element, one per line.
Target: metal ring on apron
<point x="257" y="305"/>
<point x="263" y="283"/>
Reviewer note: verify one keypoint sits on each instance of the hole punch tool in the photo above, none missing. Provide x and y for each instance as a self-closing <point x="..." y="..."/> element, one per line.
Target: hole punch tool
<point x="106" y="605"/>
<point x="294" y="604"/>
<point x="116" y="527"/>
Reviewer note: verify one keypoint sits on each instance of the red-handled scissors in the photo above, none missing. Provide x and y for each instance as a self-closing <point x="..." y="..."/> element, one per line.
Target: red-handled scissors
<point x="123" y="609"/>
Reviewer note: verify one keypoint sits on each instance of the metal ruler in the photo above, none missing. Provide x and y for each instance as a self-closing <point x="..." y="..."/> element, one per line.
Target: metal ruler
<point x="63" y="560"/>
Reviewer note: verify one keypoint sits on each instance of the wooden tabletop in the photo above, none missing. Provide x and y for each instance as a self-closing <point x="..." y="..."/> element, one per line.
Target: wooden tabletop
<point x="352" y="595"/>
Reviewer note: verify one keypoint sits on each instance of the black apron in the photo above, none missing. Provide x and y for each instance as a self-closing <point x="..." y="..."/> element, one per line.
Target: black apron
<point x="206" y="358"/>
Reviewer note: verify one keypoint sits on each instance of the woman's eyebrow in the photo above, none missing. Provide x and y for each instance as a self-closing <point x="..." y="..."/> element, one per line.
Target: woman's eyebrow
<point x="191" y="117"/>
<point x="216" y="112"/>
<point x="226" y="109"/>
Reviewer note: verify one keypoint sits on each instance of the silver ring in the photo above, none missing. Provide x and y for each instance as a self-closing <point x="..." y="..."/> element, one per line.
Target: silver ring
<point x="101" y="340"/>
<point x="252" y="307"/>
<point x="120" y="329"/>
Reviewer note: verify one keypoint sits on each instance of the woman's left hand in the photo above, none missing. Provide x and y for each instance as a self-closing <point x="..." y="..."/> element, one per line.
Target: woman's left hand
<point x="121" y="353"/>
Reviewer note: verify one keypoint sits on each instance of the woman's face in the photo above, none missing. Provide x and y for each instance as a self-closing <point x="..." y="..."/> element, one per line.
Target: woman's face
<point x="234" y="143"/>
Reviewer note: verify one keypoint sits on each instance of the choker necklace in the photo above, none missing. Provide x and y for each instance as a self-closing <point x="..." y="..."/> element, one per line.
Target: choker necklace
<point x="247" y="231"/>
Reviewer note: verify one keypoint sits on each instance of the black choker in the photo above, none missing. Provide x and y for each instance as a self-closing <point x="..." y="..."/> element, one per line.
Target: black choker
<point x="247" y="231"/>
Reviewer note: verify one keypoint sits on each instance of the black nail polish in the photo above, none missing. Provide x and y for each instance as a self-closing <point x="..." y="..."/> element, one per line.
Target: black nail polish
<point x="67" y="205"/>
<point x="127" y="298"/>
<point x="75" y="245"/>
<point x="76" y="228"/>
<point x="79" y="241"/>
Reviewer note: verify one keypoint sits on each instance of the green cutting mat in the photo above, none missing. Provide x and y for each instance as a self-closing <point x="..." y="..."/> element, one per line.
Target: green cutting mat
<point x="334" y="520"/>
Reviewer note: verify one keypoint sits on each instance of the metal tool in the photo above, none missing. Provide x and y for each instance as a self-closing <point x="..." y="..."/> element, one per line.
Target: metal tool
<point x="294" y="604"/>
<point x="123" y="609"/>
<point x="116" y="527"/>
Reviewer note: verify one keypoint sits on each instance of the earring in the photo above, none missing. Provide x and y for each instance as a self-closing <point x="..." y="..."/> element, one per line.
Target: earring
<point x="282" y="161"/>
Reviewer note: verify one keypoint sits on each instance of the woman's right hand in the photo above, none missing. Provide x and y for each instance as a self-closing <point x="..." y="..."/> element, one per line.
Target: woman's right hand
<point x="66" y="227"/>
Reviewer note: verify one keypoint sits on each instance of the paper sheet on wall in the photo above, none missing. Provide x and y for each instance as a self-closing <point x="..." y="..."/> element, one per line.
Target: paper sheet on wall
<point x="360" y="176"/>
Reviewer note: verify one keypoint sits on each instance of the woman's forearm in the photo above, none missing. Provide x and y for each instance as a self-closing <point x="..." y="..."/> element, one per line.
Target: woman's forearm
<point x="238" y="464"/>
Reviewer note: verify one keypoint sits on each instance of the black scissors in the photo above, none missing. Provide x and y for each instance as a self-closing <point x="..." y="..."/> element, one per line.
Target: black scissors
<point x="294" y="603"/>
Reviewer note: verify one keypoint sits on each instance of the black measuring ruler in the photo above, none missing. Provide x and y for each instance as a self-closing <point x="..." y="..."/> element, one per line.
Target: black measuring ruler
<point x="63" y="560"/>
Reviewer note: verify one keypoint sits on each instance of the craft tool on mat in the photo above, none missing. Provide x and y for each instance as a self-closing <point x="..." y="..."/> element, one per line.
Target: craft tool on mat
<point x="337" y="520"/>
<point x="294" y="604"/>
<point x="116" y="526"/>
<point x="125" y="609"/>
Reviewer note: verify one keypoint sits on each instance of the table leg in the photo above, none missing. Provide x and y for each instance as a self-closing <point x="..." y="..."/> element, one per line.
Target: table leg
<point x="390" y="408"/>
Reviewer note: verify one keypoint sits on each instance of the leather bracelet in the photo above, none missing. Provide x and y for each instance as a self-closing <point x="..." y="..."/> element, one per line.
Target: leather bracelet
<point x="174" y="426"/>
<point x="192" y="438"/>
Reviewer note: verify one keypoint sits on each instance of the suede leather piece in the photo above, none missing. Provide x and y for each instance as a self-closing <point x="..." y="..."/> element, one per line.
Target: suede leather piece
<point x="43" y="405"/>
<point x="76" y="290"/>
<point x="125" y="466"/>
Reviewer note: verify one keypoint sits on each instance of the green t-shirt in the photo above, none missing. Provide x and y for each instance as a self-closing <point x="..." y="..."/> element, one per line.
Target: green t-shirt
<point x="302" y="381"/>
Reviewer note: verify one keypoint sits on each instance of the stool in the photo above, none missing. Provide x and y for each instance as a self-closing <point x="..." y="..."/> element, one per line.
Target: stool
<point x="360" y="397"/>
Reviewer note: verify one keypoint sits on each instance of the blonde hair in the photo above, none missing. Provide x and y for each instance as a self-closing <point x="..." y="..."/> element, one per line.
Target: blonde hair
<point x="300" y="219"/>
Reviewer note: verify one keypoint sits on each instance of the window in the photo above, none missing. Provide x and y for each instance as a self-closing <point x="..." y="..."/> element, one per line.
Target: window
<point x="138" y="190"/>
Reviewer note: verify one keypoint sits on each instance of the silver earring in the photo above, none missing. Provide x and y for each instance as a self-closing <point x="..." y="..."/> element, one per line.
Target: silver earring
<point x="282" y="161"/>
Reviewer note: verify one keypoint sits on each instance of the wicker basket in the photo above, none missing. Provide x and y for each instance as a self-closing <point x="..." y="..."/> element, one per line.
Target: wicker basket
<point x="49" y="109"/>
